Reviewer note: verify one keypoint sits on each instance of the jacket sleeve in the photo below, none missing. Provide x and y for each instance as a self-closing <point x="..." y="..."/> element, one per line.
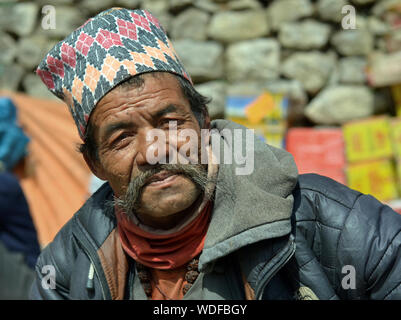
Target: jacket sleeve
<point x="53" y="268"/>
<point x="46" y="285"/>
<point x="371" y="243"/>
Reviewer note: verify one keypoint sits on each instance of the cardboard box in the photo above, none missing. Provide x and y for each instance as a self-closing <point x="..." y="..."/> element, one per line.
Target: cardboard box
<point x="266" y="114"/>
<point x="398" y="174"/>
<point x="384" y="69"/>
<point x="396" y="136"/>
<point x="318" y="151"/>
<point x="368" y="139"/>
<point x="377" y="178"/>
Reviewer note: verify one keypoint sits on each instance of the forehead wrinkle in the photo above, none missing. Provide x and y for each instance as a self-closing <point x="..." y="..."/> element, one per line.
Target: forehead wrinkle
<point x="138" y="98"/>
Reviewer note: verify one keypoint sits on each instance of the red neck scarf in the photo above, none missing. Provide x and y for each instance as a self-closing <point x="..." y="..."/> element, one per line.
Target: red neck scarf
<point x="164" y="251"/>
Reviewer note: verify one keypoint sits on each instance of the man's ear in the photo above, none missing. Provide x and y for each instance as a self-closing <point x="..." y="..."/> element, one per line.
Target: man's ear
<point x="94" y="167"/>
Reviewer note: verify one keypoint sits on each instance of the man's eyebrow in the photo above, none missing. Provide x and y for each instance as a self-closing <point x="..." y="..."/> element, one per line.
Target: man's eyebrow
<point x="169" y="109"/>
<point x="111" y="128"/>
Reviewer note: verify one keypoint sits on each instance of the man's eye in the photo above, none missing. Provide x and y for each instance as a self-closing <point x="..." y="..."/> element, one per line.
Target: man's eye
<point x="120" y="138"/>
<point x="172" y="122"/>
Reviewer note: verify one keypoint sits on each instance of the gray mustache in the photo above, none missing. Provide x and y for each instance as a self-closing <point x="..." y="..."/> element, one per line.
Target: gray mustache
<point x="130" y="201"/>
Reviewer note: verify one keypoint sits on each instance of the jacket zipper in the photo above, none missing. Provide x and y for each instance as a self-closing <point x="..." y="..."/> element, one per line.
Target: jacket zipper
<point x="93" y="265"/>
<point x="86" y="245"/>
<point x="273" y="271"/>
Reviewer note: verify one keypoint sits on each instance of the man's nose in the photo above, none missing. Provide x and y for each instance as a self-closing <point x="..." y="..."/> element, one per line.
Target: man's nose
<point x="152" y="147"/>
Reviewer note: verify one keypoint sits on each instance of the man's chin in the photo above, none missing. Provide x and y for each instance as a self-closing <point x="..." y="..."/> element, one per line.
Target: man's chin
<point x="168" y="202"/>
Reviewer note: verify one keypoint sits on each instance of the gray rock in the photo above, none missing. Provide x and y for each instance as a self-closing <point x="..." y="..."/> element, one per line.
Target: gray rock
<point x="206" y="5"/>
<point x="381" y="44"/>
<point x="394" y="40"/>
<point x="339" y="104"/>
<point x="311" y="69"/>
<point x="280" y="11"/>
<point x="129" y="4"/>
<point x="352" y="70"/>
<point x="334" y="78"/>
<point x="94" y="7"/>
<point x="156" y="6"/>
<point x="32" y="50"/>
<point x="384" y="5"/>
<point x="18" y="18"/>
<point x="10" y="76"/>
<point x="245" y="88"/>
<point x="243" y="4"/>
<point x="362" y="2"/>
<point x="67" y="20"/>
<point x="292" y="89"/>
<point x="330" y="10"/>
<point x="54" y="2"/>
<point x="36" y="88"/>
<point x="217" y="91"/>
<point x="377" y="26"/>
<point x="353" y="42"/>
<point x="257" y="59"/>
<point x="176" y="5"/>
<point x="190" y="24"/>
<point x="203" y="60"/>
<point x="308" y="34"/>
<point x="8" y="48"/>
<point x="231" y="26"/>
<point x="160" y="9"/>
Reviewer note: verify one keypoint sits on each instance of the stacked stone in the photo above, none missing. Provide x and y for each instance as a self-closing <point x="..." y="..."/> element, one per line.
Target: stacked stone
<point x="232" y="47"/>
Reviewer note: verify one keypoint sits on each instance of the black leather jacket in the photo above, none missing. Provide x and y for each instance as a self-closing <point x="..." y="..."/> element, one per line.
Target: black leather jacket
<point x="343" y="245"/>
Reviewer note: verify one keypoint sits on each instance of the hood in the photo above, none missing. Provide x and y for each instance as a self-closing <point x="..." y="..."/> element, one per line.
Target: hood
<point x="249" y="207"/>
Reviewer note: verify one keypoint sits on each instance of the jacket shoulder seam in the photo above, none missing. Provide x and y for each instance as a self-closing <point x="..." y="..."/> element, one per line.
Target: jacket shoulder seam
<point x="328" y="197"/>
<point x="317" y="220"/>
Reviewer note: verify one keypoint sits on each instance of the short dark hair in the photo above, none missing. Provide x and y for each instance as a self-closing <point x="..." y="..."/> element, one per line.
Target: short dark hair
<point x="197" y="102"/>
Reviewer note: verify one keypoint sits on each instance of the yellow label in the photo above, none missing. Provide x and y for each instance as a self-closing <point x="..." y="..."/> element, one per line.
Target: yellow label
<point x="377" y="178"/>
<point x="368" y="139"/>
<point x="396" y="137"/>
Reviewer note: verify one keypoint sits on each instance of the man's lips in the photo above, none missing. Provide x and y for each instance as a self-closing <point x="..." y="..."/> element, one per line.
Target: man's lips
<point x="161" y="178"/>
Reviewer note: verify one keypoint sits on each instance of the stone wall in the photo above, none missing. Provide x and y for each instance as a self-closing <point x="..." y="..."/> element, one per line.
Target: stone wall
<point x="233" y="47"/>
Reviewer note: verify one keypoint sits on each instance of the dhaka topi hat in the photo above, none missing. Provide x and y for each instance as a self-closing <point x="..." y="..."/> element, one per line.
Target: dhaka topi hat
<point x="107" y="49"/>
<point x="13" y="141"/>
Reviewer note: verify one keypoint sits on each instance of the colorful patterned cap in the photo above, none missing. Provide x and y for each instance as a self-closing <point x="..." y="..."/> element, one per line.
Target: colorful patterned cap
<point x="106" y="50"/>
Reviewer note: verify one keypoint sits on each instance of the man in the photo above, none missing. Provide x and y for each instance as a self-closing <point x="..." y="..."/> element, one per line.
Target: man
<point x="19" y="247"/>
<point x="170" y="225"/>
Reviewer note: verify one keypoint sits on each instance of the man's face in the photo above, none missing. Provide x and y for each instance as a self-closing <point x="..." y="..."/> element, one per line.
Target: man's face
<point x="122" y="120"/>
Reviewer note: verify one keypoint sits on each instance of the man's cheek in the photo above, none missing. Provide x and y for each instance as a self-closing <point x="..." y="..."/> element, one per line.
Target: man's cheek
<point x="118" y="182"/>
<point x="188" y="147"/>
